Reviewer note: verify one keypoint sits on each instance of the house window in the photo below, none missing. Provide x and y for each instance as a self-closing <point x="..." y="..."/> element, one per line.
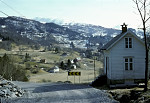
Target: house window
<point x="128" y="63"/>
<point x="128" y="42"/>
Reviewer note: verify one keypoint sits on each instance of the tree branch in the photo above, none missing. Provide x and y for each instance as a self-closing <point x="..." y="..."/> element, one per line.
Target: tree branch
<point x="147" y="26"/>
<point x="148" y="5"/>
<point x="141" y="2"/>
<point x="137" y="4"/>
<point x="141" y="8"/>
<point x="144" y="9"/>
<point x="147" y="19"/>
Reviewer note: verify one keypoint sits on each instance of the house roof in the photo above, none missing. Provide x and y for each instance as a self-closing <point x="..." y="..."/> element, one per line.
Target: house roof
<point x="112" y="42"/>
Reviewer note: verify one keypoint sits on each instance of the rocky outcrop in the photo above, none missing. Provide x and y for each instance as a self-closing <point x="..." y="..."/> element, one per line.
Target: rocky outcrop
<point x="9" y="89"/>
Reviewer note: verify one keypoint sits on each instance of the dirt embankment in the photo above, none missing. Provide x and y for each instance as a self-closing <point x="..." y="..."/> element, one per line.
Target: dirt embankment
<point x="130" y="96"/>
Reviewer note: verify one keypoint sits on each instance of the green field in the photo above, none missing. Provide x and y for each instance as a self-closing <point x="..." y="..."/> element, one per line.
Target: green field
<point x="37" y="71"/>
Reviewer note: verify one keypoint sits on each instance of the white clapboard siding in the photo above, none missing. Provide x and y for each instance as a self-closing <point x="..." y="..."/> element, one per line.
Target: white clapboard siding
<point x="116" y="55"/>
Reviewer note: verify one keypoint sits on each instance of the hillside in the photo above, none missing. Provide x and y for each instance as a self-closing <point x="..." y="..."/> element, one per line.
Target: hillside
<point x="33" y="30"/>
<point x="89" y="35"/>
<point x="94" y="34"/>
<point x="27" y="31"/>
<point x="24" y="28"/>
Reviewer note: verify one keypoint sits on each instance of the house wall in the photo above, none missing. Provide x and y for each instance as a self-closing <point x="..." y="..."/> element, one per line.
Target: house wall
<point x="106" y="54"/>
<point x="116" y="60"/>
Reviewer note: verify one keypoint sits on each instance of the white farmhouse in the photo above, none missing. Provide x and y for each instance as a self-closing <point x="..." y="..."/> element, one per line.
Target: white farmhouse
<point x="124" y="61"/>
<point x="55" y="69"/>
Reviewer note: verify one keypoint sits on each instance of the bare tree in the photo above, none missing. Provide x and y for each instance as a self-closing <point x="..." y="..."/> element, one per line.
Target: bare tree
<point x="143" y="6"/>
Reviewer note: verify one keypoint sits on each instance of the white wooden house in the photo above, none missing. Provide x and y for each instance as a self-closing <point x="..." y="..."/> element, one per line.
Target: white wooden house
<point x="55" y="69"/>
<point x="124" y="61"/>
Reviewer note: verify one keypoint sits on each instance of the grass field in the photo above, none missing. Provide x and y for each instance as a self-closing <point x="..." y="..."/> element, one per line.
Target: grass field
<point x="87" y="76"/>
<point x="53" y="59"/>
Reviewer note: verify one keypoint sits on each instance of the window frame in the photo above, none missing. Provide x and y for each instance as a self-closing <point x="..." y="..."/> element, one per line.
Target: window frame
<point x="128" y="42"/>
<point x="128" y="63"/>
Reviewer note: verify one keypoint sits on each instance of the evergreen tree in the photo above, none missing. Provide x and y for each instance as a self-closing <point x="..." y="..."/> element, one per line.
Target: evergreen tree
<point x="62" y="65"/>
<point x="72" y="45"/>
<point x="75" y="61"/>
<point x="27" y="57"/>
<point x="69" y="63"/>
<point x="56" y="50"/>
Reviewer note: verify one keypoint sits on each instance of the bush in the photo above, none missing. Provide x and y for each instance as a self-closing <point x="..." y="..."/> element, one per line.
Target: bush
<point x="9" y="70"/>
<point x="34" y="71"/>
<point x="44" y="80"/>
<point x="100" y="81"/>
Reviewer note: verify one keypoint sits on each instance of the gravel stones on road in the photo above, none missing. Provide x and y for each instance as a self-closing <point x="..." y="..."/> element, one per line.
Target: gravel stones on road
<point x="11" y="92"/>
<point x="9" y="89"/>
<point x="60" y="93"/>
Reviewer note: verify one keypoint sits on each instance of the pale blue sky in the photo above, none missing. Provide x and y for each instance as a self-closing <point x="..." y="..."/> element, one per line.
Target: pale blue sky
<point x="107" y="13"/>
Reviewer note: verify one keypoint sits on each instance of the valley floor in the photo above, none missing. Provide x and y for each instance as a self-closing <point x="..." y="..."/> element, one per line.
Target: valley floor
<point x="87" y="76"/>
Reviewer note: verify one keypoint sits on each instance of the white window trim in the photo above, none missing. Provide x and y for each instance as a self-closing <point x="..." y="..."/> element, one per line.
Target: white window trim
<point x="128" y="42"/>
<point x="129" y="63"/>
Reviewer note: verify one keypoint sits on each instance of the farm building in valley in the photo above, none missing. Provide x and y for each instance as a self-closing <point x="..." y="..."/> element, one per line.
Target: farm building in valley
<point x="124" y="61"/>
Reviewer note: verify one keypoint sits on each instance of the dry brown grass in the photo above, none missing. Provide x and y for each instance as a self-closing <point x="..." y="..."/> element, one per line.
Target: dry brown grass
<point x="52" y="59"/>
<point x="87" y="76"/>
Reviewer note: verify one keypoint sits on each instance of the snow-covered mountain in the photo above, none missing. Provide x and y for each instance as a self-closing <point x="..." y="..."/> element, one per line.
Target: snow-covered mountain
<point x="50" y="20"/>
<point x="91" y="30"/>
<point x="42" y="33"/>
<point x="47" y="32"/>
<point x="92" y="34"/>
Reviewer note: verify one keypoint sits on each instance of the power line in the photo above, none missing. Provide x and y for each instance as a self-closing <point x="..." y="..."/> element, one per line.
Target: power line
<point x="11" y="9"/>
<point x="4" y="13"/>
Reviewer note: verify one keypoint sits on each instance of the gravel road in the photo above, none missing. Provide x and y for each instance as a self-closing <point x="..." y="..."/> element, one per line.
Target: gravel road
<point x="59" y="93"/>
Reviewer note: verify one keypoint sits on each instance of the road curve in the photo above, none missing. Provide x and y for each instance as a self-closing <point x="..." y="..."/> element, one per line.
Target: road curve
<point x="59" y="93"/>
